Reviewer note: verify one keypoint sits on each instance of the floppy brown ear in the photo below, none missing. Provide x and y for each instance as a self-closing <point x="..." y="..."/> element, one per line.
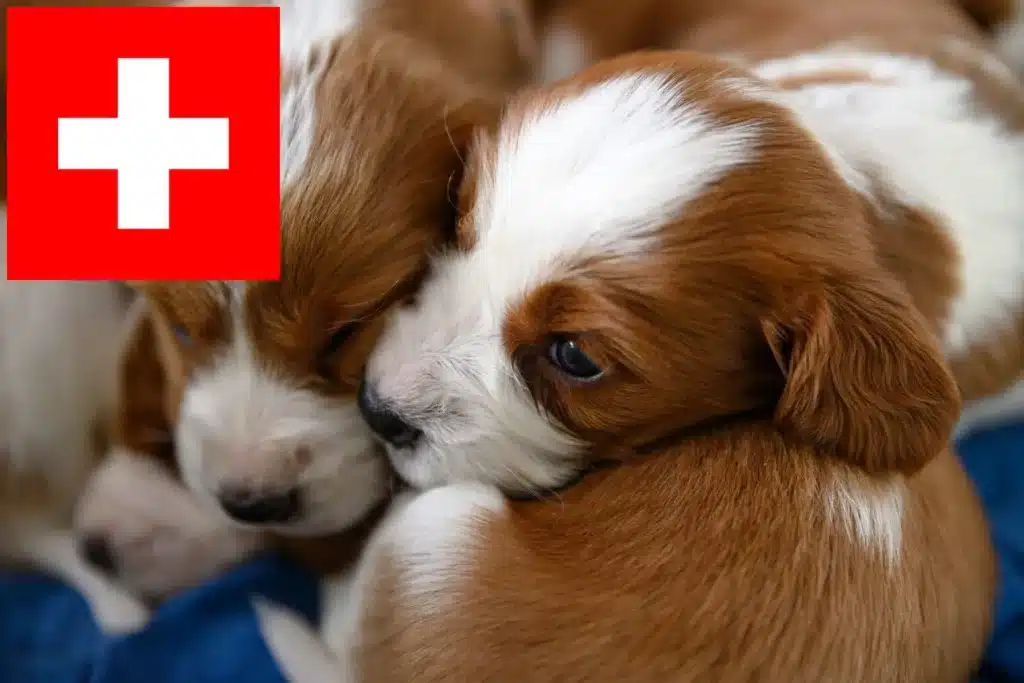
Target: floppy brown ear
<point x="146" y="398"/>
<point x="864" y="377"/>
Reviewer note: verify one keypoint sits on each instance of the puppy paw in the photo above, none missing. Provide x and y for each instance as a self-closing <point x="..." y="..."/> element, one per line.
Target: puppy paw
<point x="118" y="613"/>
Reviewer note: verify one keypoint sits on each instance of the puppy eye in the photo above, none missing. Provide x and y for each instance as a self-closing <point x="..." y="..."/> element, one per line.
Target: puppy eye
<point x="337" y="340"/>
<point x="182" y="334"/>
<point x="566" y="355"/>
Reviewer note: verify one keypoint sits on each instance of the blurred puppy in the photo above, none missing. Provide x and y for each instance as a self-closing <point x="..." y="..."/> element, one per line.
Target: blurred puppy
<point x="58" y="349"/>
<point x="260" y="396"/>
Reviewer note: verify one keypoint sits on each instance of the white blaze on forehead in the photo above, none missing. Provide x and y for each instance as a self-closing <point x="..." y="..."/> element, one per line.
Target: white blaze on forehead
<point x="306" y="25"/>
<point x="597" y="174"/>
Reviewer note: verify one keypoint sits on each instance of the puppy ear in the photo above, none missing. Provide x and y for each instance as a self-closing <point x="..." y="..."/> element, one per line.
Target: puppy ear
<point x="464" y="126"/>
<point x="143" y="410"/>
<point x="864" y="377"/>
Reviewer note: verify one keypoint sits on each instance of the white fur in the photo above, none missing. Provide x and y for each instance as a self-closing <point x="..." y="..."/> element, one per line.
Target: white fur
<point x="162" y="540"/>
<point x="428" y="539"/>
<point x="871" y="512"/>
<point x="595" y="175"/>
<point x="562" y="53"/>
<point x="301" y="654"/>
<point x="115" y="610"/>
<point x="243" y="426"/>
<point x="58" y="350"/>
<point x="306" y="26"/>
<point x="921" y="135"/>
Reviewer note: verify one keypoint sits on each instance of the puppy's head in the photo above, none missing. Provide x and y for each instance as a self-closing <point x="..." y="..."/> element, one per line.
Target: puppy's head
<point x="372" y="140"/>
<point x="654" y="244"/>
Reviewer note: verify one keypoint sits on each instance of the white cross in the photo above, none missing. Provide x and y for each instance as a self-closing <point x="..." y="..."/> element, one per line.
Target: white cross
<point x="143" y="144"/>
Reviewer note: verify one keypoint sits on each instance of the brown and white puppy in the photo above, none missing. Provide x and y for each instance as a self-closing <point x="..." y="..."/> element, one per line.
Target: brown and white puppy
<point x="574" y="33"/>
<point x="58" y="350"/>
<point x="716" y="289"/>
<point x="927" y="132"/>
<point x="261" y="404"/>
<point x="135" y="520"/>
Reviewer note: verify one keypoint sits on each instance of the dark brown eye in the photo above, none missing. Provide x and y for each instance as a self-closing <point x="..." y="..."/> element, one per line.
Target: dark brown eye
<point x="570" y="359"/>
<point x="337" y="339"/>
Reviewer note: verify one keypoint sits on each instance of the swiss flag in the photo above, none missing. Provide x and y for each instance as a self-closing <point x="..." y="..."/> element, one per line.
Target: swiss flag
<point x="143" y="143"/>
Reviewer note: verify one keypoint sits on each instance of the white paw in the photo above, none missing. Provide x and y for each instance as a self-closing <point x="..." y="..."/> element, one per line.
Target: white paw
<point x="118" y="613"/>
<point x="300" y="653"/>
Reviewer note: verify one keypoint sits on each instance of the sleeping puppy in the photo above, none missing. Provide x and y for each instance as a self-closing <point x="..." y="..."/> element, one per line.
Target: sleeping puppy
<point x="920" y="121"/>
<point x="716" y="297"/>
<point x="260" y="396"/>
<point x="58" y="350"/>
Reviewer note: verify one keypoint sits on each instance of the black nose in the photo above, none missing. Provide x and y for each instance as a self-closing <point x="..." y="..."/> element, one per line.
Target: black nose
<point x="386" y="423"/>
<point x="261" y="507"/>
<point x="96" y="551"/>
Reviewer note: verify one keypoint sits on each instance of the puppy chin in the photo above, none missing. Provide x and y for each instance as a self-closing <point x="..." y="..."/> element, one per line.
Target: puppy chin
<point x="513" y="468"/>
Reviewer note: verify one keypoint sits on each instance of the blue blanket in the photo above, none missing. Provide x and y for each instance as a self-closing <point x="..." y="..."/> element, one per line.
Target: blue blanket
<point x="209" y="635"/>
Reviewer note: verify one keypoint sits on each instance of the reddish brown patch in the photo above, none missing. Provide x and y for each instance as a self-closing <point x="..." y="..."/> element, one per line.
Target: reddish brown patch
<point x="826" y="77"/>
<point x="489" y="41"/>
<point x="760" y="30"/>
<point x="150" y="384"/>
<point x="714" y="560"/>
<point x="989" y="13"/>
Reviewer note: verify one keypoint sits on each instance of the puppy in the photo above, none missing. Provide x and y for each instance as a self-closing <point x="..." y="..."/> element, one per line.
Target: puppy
<point x="260" y="400"/>
<point x="58" y="346"/>
<point x="135" y="521"/>
<point x="927" y="130"/>
<point x="714" y="297"/>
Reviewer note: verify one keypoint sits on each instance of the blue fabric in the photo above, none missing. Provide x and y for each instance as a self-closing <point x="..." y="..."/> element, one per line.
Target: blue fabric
<point x="209" y="635"/>
<point x="995" y="460"/>
<point x="206" y="635"/>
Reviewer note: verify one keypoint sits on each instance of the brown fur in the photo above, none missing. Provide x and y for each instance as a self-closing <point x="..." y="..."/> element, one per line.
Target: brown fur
<point x="149" y="394"/>
<point x="840" y="334"/>
<point x="715" y="560"/>
<point x="761" y="381"/>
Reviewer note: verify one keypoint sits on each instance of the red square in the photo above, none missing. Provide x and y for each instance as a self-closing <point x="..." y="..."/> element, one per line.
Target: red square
<point x="186" y="100"/>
